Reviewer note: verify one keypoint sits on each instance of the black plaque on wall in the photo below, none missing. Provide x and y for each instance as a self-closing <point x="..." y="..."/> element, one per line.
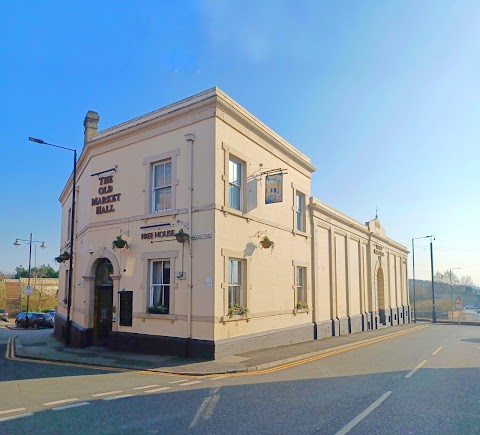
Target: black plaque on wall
<point x="126" y="308"/>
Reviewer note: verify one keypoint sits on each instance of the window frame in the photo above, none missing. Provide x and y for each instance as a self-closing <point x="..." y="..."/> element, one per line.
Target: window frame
<point x="148" y="258"/>
<point x="165" y="186"/>
<point x="152" y="285"/>
<point x="300" y="212"/>
<point x="306" y="285"/>
<point x="240" y="284"/>
<point x="228" y="255"/>
<point x="150" y="163"/>
<point x="242" y="159"/>
<point x="303" y="275"/>
<point x="240" y="187"/>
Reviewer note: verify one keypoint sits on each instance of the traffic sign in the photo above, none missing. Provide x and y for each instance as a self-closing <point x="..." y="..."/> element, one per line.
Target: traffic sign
<point x="28" y="290"/>
<point x="458" y="301"/>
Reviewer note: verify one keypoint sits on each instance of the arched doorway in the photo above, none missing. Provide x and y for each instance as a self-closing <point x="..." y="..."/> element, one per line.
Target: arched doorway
<point x="381" y="296"/>
<point x="103" y="301"/>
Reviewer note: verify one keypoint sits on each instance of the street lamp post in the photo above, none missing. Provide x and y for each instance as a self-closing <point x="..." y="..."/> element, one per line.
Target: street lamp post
<point x="434" y="313"/>
<point x="30" y="241"/>
<point x="413" y="269"/>
<point x="72" y="224"/>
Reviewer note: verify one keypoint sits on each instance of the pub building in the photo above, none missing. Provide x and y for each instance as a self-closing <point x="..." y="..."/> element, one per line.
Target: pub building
<point x="196" y="234"/>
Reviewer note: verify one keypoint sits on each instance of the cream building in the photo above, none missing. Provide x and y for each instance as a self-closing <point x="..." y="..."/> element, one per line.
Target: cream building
<point x="206" y="167"/>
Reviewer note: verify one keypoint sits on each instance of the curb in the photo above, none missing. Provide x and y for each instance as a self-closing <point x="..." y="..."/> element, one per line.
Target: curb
<point x="250" y="369"/>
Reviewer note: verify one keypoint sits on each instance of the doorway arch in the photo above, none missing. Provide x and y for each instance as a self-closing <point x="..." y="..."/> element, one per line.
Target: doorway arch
<point x="103" y="302"/>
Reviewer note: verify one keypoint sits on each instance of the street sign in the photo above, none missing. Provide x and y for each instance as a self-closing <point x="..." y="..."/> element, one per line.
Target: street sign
<point x="28" y="290"/>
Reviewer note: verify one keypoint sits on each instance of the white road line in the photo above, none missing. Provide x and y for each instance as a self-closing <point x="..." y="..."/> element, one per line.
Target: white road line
<point x="438" y="350"/>
<point x="415" y="369"/>
<point x="361" y="416"/>
<point x="57" y="402"/>
<point x="176" y="382"/>
<point x="145" y="387"/>
<point x="190" y="383"/>
<point x="73" y="405"/>
<point x="218" y="377"/>
<point x="156" y="390"/>
<point x="106" y="394"/>
<point x="7" y="411"/>
<point x="118" y="397"/>
<point x="13" y="417"/>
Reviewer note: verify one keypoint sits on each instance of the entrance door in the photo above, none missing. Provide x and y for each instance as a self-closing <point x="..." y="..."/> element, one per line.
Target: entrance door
<point x="381" y="296"/>
<point x="103" y="303"/>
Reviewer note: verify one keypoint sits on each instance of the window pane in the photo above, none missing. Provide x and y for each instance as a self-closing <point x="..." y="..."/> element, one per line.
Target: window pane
<point x="166" y="272"/>
<point x="159" y="176"/>
<point x="156" y="272"/>
<point x="234" y="272"/>
<point x="168" y="174"/>
<point x="167" y="198"/>
<point x="234" y="197"/>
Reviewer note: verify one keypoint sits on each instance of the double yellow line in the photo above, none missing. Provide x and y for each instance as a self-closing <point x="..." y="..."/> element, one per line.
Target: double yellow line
<point x="10" y="355"/>
<point x="330" y="353"/>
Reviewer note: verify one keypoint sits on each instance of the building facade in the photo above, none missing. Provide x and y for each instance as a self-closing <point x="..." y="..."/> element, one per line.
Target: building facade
<point x="226" y="250"/>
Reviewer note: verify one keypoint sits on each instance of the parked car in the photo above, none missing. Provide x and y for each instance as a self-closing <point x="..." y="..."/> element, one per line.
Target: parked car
<point x="4" y="315"/>
<point x="35" y="320"/>
<point x="51" y="312"/>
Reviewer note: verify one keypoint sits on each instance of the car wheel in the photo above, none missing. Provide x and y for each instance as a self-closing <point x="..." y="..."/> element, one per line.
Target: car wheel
<point x="35" y="325"/>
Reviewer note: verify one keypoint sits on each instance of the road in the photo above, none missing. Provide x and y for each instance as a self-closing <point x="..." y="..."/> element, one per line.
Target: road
<point x="426" y="381"/>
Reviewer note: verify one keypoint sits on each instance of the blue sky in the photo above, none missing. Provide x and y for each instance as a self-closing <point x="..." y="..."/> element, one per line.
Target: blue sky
<point x="382" y="96"/>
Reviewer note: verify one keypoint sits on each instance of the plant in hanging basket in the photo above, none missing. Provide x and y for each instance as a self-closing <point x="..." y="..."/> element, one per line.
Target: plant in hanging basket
<point x="266" y="242"/>
<point x="182" y="236"/>
<point x="119" y="243"/>
<point x="66" y="255"/>
<point x="59" y="259"/>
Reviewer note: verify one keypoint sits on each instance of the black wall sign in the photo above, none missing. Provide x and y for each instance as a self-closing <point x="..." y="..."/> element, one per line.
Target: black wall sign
<point x="126" y="308"/>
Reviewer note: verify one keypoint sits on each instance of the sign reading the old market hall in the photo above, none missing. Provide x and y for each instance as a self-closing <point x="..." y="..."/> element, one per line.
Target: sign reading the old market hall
<point x="104" y="203"/>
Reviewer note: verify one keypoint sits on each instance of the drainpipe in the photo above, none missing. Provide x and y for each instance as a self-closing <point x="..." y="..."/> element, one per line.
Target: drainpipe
<point x="190" y="137"/>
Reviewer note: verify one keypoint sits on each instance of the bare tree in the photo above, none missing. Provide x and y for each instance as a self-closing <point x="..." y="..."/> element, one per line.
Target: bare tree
<point x="466" y="281"/>
<point x="449" y="278"/>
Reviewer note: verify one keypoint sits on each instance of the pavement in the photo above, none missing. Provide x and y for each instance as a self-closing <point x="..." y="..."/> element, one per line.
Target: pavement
<point x="42" y="345"/>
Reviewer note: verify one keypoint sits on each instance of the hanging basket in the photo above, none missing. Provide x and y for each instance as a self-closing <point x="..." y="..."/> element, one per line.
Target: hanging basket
<point x="59" y="259"/>
<point x="266" y="243"/>
<point x="66" y="255"/>
<point x="119" y="243"/>
<point x="182" y="236"/>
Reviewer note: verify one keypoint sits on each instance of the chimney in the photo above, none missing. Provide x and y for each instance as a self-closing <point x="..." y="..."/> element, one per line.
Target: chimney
<point x="91" y="126"/>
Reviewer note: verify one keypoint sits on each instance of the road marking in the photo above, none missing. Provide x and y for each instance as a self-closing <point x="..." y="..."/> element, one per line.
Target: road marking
<point x="156" y="390"/>
<point x="190" y="383"/>
<point x="145" y="387"/>
<point x="361" y="416"/>
<point x="12" y="410"/>
<point x="205" y="410"/>
<point x="176" y="382"/>
<point x="106" y="394"/>
<point x="415" y="369"/>
<point x="57" y="402"/>
<point x="219" y="377"/>
<point x="73" y="405"/>
<point x="118" y="397"/>
<point x="13" y="417"/>
<point x="438" y="350"/>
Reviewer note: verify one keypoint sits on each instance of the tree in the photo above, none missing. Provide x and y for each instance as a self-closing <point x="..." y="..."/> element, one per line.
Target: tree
<point x="21" y="272"/>
<point x="449" y="278"/>
<point x="466" y="281"/>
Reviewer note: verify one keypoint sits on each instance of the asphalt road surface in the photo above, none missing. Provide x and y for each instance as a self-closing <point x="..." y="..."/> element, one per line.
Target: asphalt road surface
<point x="422" y="382"/>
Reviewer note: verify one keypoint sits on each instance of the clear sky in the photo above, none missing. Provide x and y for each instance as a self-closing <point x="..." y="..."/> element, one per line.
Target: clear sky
<point x="383" y="96"/>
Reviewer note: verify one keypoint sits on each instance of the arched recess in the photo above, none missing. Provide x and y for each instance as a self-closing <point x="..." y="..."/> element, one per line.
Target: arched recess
<point x="89" y="286"/>
<point x="380" y="281"/>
